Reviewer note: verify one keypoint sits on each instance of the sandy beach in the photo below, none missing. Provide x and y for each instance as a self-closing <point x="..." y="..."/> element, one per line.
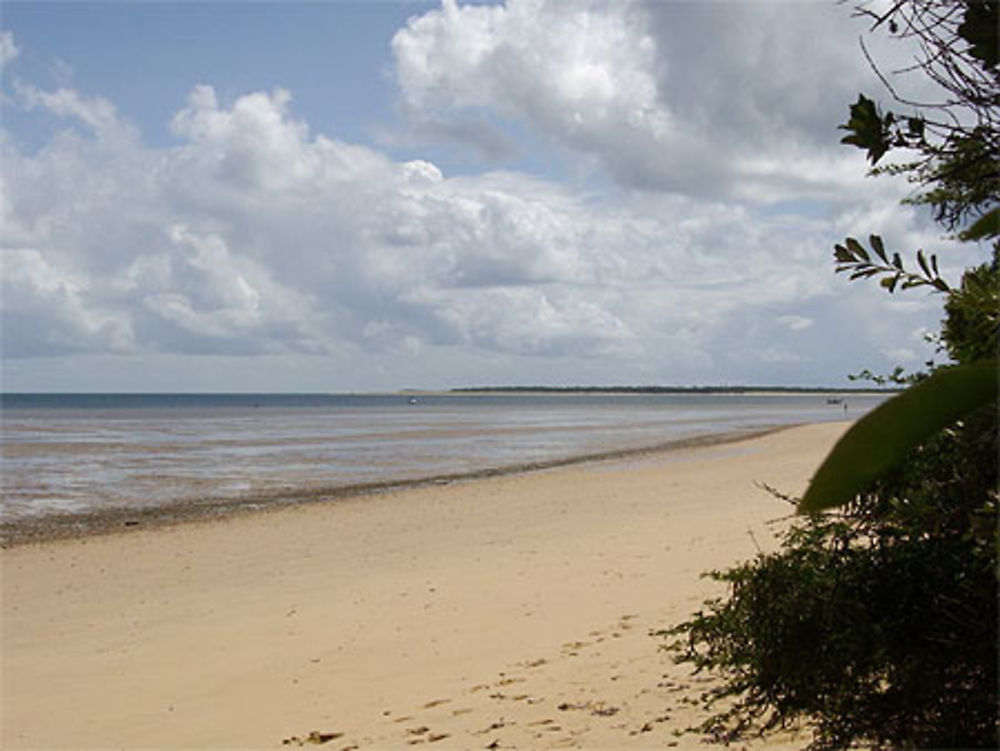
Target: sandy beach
<point x="506" y="612"/>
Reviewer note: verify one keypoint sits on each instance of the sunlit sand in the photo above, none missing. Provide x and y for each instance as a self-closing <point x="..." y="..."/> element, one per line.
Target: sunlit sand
<point x="504" y="612"/>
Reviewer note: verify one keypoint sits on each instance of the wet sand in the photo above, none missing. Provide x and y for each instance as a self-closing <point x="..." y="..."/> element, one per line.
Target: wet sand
<point x="193" y="508"/>
<point x="510" y="611"/>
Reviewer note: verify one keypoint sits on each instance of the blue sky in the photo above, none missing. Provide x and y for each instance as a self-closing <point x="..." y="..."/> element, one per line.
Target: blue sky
<point x="369" y="196"/>
<point x="145" y="56"/>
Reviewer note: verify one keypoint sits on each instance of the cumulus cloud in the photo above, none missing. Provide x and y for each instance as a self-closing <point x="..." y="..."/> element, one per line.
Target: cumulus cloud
<point x="254" y="236"/>
<point x="712" y="99"/>
<point x="97" y="113"/>
<point x="48" y="310"/>
<point x="581" y="73"/>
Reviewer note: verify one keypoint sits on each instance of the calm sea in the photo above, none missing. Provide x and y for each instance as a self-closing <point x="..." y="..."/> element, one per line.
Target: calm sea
<point x="77" y="453"/>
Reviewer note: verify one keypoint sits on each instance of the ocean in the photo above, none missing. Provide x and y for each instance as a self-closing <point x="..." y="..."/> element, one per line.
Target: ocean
<point x="76" y="456"/>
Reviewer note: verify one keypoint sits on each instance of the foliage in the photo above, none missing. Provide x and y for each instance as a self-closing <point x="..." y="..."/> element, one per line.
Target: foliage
<point x="898" y="376"/>
<point x="973" y="316"/>
<point x="876" y="624"/>
<point x="890" y="645"/>
<point x="956" y="139"/>
<point x="852" y="256"/>
<point x="885" y="437"/>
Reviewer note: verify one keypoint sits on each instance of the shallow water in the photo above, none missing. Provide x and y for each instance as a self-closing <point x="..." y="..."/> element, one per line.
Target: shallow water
<point x="80" y="453"/>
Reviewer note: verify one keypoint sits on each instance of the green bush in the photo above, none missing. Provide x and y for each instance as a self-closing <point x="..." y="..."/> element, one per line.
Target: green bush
<point x="877" y="624"/>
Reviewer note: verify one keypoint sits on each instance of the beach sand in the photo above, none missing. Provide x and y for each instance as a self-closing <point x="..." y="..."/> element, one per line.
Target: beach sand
<point x="505" y="612"/>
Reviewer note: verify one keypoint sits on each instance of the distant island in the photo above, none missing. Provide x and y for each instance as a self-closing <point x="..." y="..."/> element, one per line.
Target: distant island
<point x="673" y="390"/>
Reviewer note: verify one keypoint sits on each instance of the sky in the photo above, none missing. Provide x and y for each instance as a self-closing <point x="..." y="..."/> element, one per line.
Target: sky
<point x="370" y="196"/>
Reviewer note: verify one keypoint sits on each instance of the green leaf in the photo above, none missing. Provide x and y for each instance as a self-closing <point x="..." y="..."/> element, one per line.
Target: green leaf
<point x="868" y="129"/>
<point x="923" y="263"/>
<point x="981" y="29"/>
<point x="842" y="254"/>
<point x="857" y="249"/>
<point x="878" y="247"/>
<point x="988" y="225"/>
<point x="881" y="440"/>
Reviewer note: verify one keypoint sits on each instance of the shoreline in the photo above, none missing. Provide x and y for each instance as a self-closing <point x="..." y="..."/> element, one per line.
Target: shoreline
<point x="514" y="611"/>
<point x="737" y="391"/>
<point x="117" y="520"/>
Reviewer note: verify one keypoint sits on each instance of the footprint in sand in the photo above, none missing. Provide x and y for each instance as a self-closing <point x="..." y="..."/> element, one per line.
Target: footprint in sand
<point x="509" y="681"/>
<point x="427" y="736"/>
<point x="435" y="703"/>
<point x="534" y="663"/>
<point x="498" y="725"/>
<point x="314" y="738"/>
<point x="546" y="724"/>
<point x="597" y="708"/>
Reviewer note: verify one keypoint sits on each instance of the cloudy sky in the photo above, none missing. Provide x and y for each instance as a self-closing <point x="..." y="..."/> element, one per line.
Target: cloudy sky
<point x="344" y="196"/>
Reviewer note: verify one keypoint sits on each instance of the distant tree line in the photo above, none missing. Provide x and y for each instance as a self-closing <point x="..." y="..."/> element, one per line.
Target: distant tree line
<point x="670" y="390"/>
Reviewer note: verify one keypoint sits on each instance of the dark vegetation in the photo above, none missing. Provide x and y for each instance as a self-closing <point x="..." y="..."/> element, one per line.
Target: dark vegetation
<point x="875" y="623"/>
<point x="667" y="390"/>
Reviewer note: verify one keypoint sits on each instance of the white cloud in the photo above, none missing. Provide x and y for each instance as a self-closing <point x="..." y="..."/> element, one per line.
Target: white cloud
<point x="577" y="67"/>
<point x="710" y="99"/>
<point x="97" y="113"/>
<point x="252" y="236"/>
<point x="50" y="310"/>
<point x="8" y="48"/>
<point x="796" y="323"/>
<point x="581" y="73"/>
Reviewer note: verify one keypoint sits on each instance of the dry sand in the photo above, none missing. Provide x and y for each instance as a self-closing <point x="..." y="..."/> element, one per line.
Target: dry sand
<point x="506" y="612"/>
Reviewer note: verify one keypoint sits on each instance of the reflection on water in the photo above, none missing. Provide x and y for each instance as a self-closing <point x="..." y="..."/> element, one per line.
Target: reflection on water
<point x="70" y="454"/>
